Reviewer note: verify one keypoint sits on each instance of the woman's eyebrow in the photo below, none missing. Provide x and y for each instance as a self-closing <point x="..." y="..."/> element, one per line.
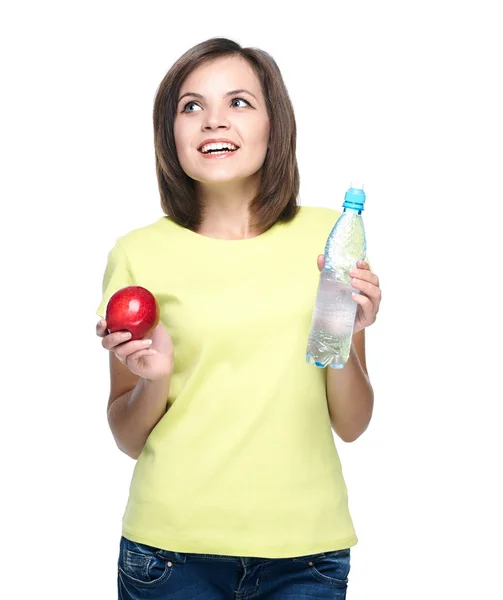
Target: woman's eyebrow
<point x="231" y="93"/>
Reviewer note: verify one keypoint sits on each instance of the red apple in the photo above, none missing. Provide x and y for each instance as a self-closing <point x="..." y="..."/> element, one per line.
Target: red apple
<point x="133" y="308"/>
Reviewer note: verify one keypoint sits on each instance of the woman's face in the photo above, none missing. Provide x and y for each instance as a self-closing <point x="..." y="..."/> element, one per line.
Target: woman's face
<point x="215" y="113"/>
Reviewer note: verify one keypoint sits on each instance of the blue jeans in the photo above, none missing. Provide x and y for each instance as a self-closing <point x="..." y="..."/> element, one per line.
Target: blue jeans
<point x="151" y="573"/>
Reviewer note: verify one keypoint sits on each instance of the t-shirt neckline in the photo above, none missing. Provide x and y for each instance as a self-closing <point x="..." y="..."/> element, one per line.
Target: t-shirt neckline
<point x="204" y="239"/>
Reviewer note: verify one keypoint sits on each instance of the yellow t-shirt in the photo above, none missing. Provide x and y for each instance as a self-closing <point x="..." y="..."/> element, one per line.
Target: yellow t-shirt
<point x="244" y="462"/>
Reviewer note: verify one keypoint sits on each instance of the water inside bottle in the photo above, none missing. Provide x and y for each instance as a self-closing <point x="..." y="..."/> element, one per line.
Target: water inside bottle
<point x="333" y="322"/>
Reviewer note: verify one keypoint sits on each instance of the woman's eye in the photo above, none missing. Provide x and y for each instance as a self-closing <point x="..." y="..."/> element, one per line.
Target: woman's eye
<point x="187" y="105"/>
<point x="241" y="100"/>
<point x="185" y="108"/>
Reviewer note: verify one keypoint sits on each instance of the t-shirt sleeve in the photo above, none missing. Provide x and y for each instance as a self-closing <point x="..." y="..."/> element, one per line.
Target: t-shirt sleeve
<point x="117" y="275"/>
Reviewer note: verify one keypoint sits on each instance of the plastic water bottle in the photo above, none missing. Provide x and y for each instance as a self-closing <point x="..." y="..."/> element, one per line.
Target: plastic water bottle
<point x="335" y="310"/>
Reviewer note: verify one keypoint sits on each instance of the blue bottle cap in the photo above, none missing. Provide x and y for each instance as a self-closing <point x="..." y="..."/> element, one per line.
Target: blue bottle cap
<point x="354" y="198"/>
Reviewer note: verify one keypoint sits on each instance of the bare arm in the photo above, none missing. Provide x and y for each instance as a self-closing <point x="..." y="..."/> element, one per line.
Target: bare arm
<point x="134" y="413"/>
<point x="349" y="393"/>
<point x="140" y="375"/>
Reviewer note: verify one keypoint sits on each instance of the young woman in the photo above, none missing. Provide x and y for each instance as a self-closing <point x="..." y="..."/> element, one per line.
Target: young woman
<point x="238" y="490"/>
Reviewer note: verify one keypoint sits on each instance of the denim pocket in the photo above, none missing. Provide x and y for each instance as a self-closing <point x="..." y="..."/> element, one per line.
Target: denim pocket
<point x="331" y="568"/>
<point x="144" y="565"/>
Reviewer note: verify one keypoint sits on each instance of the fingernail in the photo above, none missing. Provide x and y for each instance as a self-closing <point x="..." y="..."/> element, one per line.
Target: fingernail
<point x="146" y="342"/>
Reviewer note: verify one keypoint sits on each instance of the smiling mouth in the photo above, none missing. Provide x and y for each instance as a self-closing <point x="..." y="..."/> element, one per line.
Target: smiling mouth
<point x="218" y="151"/>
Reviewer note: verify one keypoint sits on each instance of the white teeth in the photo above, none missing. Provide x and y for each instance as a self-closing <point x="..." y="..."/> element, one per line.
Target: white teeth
<point x="218" y="146"/>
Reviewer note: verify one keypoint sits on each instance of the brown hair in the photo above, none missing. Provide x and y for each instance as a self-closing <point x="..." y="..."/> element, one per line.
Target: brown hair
<point x="276" y="199"/>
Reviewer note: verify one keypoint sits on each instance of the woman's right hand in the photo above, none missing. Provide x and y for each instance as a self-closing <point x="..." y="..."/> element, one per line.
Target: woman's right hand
<point x="150" y="361"/>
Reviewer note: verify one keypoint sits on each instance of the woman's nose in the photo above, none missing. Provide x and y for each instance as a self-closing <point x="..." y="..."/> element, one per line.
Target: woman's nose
<point x="215" y="119"/>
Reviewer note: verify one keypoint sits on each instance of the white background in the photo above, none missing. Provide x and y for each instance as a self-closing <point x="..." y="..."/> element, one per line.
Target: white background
<point x="404" y="95"/>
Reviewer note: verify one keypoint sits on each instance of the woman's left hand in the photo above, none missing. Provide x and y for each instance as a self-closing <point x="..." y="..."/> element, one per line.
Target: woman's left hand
<point x="369" y="298"/>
